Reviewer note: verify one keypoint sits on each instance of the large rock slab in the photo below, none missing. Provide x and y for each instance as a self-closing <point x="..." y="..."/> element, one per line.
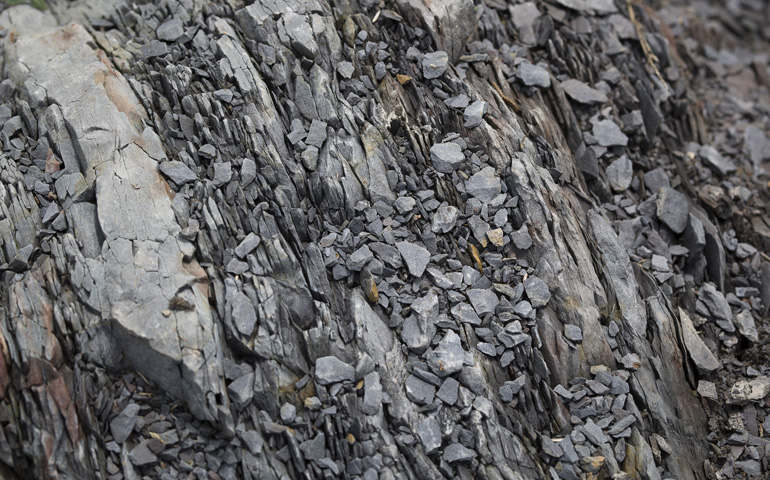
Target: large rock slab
<point x="141" y="282"/>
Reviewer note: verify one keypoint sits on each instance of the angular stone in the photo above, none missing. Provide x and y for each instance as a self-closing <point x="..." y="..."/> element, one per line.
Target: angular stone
<point x="714" y="160"/>
<point x="415" y="257"/>
<point x="458" y="453"/>
<point x="446" y="157"/>
<point x="484" y="185"/>
<point x="445" y="219"/>
<point x="241" y="391"/>
<point x="746" y="326"/>
<point x="608" y="133"/>
<point x="582" y="93"/>
<point x="620" y="173"/>
<point x="170" y="30"/>
<point x="573" y="333"/>
<point x="419" y="391"/>
<point x="141" y="454"/>
<point x="474" y="114"/>
<point x="122" y="425"/>
<point x="521" y="238"/>
<point x="448" y="357"/>
<point x="673" y="209"/>
<point x="372" y="394"/>
<point x="537" y="291"/>
<point x="704" y="360"/>
<point x="430" y="434"/>
<point x="332" y="370"/>
<point x="448" y="391"/>
<point x="178" y="172"/>
<point x="707" y="390"/>
<point x="434" y="64"/>
<point x="483" y="301"/>
<point x="533" y="75"/>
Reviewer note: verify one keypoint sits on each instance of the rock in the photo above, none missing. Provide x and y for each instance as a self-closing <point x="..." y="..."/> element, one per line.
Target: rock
<point x="419" y="391"/>
<point x="445" y="219"/>
<point x="178" y="172"/>
<point x="712" y="303"/>
<point x="288" y="412"/>
<point x="457" y="453"/>
<point x="346" y="70"/>
<point x="594" y="433"/>
<point x="747" y="391"/>
<point x="620" y="173"/>
<point x="372" y="394"/>
<point x="550" y="448"/>
<point x="465" y="313"/>
<point x="484" y="185"/>
<point x="533" y="75"/>
<point x="358" y="259"/>
<point x="434" y="64"/>
<point x="474" y="114"/>
<point x="673" y="209"/>
<point x="746" y="326"/>
<point x="608" y="133"/>
<point x="707" y="390"/>
<point x="537" y="291"/>
<point x="332" y="370"/>
<point x="141" y="454"/>
<point x="241" y="391"/>
<point x="716" y="161"/>
<point x="483" y="301"/>
<point x="448" y="391"/>
<point x="582" y="93"/>
<point x="573" y="333"/>
<point x="701" y="356"/>
<point x="122" y="425"/>
<point x="446" y="157"/>
<point x="521" y="238"/>
<point x="430" y="434"/>
<point x="656" y="179"/>
<point x="171" y="30"/>
<point x="415" y="257"/>
<point x="524" y="16"/>
<point x="448" y="357"/>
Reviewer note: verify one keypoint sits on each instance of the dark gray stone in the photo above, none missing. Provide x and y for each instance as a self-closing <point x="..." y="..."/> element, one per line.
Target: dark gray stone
<point x="332" y="370"/>
<point x="582" y="93"/>
<point x="537" y="291"/>
<point x="673" y="209"/>
<point x="415" y="257"/>
<point x="434" y="64"/>
<point x="446" y="157"/>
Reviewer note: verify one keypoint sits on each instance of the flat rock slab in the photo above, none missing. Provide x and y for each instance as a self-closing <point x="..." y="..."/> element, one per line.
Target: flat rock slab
<point x="141" y="267"/>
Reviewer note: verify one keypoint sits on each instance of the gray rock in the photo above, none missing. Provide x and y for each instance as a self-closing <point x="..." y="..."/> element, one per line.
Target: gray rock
<point x="474" y="114"/>
<point x="620" y="173"/>
<point x="608" y="133"/>
<point x="707" y="390"/>
<point x="448" y="391"/>
<point x="714" y="160"/>
<point x="288" y="412"/>
<point x="434" y="64"/>
<point x="465" y="313"/>
<point x="445" y="219"/>
<point x="358" y="259"/>
<point x="316" y="134"/>
<point x="521" y="238"/>
<point x="244" y="314"/>
<point x="170" y="30"/>
<point x="404" y="205"/>
<point x="656" y="179"/>
<point x="372" y="394"/>
<point x="177" y="172"/>
<point x="533" y="75"/>
<point x="594" y="433"/>
<point x="122" y="425"/>
<point x="430" y="434"/>
<point x="446" y="157"/>
<point x="573" y="333"/>
<point x="484" y="185"/>
<point x="537" y="291"/>
<point x="222" y="173"/>
<point x="582" y="93"/>
<point x="458" y="453"/>
<point x="314" y="449"/>
<point x="419" y="391"/>
<point x="673" y="209"/>
<point x="332" y="370"/>
<point x="241" y="391"/>
<point x="300" y="33"/>
<point x="141" y="454"/>
<point x="746" y="326"/>
<point x="701" y="356"/>
<point x="346" y="70"/>
<point x="448" y="357"/>
<point x="550" y="448"/>
<point x="415" y="257"/>
<point x="483" y="301"/>
<point x="247" y="245"/>
<point x="524" y="16"/>
<point x="711" y="303"/>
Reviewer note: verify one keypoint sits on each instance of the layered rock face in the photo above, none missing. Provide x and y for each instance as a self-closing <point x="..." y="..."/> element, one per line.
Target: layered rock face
<point x="308" y="239"/>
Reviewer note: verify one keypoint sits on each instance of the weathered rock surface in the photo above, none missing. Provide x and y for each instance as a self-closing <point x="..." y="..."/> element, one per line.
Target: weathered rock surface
<point x="311" y="239"/>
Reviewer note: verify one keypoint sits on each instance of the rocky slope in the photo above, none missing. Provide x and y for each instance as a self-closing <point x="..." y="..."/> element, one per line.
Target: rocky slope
<point x="302" y="239"/>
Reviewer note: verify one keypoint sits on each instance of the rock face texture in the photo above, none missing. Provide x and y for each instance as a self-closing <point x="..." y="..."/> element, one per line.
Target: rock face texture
<point x="311" y="239"/>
